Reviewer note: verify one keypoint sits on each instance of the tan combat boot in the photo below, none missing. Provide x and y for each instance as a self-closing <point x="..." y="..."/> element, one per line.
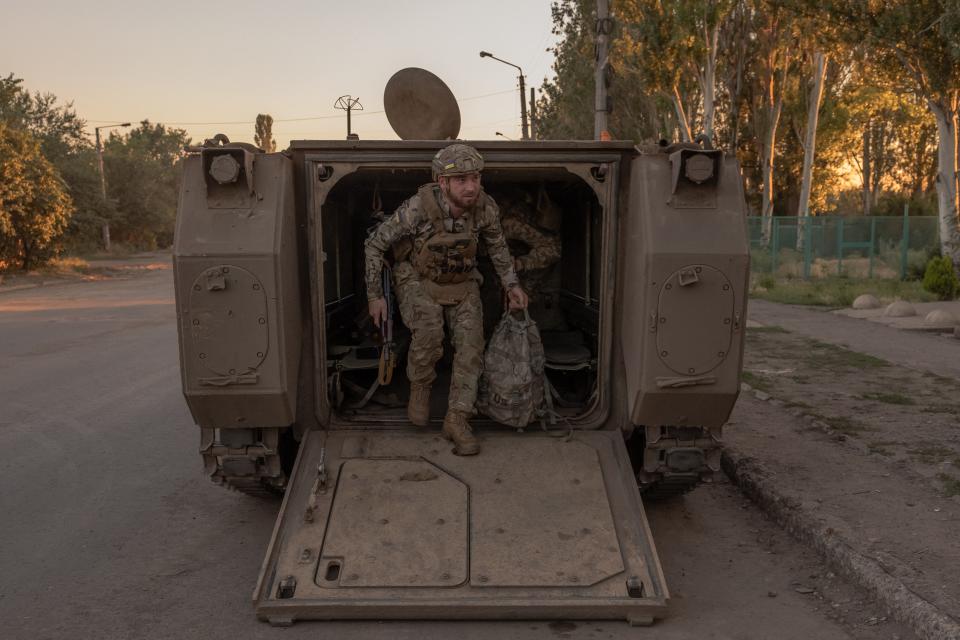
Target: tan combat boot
<point x="418" y="407"/>
<point x="457" y="429"/>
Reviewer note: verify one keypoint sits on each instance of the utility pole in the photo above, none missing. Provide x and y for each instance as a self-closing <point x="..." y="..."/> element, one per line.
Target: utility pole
<point x="603" y="29"/>
<point x="533" y="114"/>
<point x="524" y="130"/>
<point x="105" y="229"/>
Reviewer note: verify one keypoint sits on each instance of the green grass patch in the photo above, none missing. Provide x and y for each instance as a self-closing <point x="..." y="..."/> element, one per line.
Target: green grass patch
<point x="839" y="291"/>
<point x="881" y="447"/>
<point x="843" y="424"/>
<point x="820" y="355"/>
<point x="796" y="404"/>
<point x="889" y="398"/>
<point x="757" y="382"/>
<point x="951" y="485"/>
<point x="767" y="329"/>
<point x="941" y="408"/>
<point x="931" y="454"/>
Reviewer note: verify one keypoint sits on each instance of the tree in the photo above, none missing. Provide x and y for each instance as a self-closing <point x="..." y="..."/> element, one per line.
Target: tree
<point x="59" y="130"/>
<point x="674" y="46"/>
<point x="565" y="107"/>
<point x="819" y="73"/>
<point x="774" y="41"/>
<point x="735" y="50"/>
<point x="566" y="104"/>
<point x="922" y="38"/>
<point x="34" y="204"/>
<point x="263" y="133"/>
<point x="143" y="169"/>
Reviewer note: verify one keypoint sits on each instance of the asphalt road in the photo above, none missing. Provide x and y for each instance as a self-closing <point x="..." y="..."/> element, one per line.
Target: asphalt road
<point x="108" y="528"/>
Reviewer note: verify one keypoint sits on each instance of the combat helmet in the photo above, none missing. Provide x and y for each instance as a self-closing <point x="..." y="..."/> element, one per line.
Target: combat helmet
<point x="456" y="159"/>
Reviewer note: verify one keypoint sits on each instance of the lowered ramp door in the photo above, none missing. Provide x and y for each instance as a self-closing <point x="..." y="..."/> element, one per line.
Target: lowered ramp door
<point x="383" y="525"/>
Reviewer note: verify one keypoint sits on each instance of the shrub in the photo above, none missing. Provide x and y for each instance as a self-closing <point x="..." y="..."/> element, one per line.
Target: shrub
<point x="940" y="278"/>
<point x="917" y="260"/>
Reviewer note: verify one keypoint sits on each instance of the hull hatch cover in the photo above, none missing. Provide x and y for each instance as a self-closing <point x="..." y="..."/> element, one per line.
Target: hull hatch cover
<point x="395" y="523"/>
<point x="391" y="525"/>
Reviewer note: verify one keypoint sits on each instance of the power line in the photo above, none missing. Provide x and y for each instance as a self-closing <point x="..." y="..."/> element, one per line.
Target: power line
<point x="304" y="119"/>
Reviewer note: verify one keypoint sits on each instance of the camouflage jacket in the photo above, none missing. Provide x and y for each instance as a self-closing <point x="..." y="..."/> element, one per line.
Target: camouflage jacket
<point x="544" y="248"/>
<point x="411" y="221"/>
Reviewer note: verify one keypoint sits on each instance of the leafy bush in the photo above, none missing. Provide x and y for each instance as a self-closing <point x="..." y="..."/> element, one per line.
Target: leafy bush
<point x="917" y="260"/>
<point x="940" y="278"/>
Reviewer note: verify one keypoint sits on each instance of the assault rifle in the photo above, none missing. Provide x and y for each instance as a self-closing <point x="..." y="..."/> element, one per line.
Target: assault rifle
<point x="388" y="355"/>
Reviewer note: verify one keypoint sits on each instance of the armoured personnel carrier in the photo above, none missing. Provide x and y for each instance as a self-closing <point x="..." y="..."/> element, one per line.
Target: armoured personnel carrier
<point x="290" y="384"/>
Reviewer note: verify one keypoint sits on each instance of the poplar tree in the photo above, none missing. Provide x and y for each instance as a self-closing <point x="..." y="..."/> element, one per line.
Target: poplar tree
<point x="263" y="133"/>
<point x="922" y="39"/>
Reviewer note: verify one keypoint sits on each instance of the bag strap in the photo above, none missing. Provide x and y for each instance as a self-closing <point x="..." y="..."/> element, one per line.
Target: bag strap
<point x="549" y="413"/>
<point x="508" y="311"/>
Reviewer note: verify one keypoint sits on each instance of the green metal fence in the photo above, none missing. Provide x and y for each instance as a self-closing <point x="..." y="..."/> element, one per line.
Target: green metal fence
<point x="856" y="246"/>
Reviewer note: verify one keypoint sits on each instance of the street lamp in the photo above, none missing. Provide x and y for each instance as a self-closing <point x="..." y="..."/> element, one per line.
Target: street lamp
<point x="523" y="104"/>
<point x="103" y="180"/>
<point x="503" y="136"/>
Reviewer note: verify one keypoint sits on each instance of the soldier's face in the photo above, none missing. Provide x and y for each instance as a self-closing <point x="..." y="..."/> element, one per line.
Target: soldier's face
<point x="463" y="190"/>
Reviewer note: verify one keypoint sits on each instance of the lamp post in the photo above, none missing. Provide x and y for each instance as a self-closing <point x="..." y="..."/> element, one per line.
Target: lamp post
<point x="103" y="181"/>
<point x="525" y="134"/>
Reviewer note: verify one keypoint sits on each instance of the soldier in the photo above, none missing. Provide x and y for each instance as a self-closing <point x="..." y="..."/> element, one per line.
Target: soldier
<point x="532" y="233"/>
<point x="437" y="280"/>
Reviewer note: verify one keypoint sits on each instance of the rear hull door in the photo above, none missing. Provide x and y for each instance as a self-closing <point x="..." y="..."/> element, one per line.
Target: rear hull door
<point x="392" y="525"/>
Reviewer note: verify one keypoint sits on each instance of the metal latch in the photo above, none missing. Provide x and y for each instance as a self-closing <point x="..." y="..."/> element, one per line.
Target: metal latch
<point x="215" y="280"/>
<point x="688" y="276"/>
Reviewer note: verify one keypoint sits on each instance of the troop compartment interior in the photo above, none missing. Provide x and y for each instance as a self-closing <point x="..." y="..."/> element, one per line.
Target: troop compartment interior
<point x="571" y="300"/>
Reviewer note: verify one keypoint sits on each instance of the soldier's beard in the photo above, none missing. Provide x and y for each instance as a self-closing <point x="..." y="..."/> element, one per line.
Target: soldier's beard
<point x="460" y="202"/>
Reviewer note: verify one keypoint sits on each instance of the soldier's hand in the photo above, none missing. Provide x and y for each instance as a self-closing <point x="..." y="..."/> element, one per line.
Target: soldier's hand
<point x="517" y="297"/>
<point x="378" y="311"/>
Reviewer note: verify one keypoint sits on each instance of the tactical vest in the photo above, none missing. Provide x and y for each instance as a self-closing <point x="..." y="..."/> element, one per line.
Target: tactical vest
<point x="446" y="257"/>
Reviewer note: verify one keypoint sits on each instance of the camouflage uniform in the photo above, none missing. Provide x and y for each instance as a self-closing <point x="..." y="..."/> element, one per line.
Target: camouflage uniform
<point x="538" y="254"/>
<point x="420" y="309"/>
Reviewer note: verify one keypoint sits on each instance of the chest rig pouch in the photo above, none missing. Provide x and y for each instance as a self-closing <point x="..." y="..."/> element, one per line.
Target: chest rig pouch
<point x="446" y="260"/>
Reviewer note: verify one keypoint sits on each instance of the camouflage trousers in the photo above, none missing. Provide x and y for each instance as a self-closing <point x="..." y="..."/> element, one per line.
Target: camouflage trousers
<point x="425" y="318"/>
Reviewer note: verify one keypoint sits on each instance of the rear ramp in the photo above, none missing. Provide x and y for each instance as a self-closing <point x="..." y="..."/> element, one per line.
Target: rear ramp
<point x="391" y="525"/>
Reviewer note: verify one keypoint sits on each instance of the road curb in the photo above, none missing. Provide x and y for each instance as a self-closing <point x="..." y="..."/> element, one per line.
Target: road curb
<point x="926" y="620"/>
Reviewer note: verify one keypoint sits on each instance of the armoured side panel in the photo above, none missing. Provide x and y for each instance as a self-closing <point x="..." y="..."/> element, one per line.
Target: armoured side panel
<point x="685" y="265"/>
<point x="238" y="304"/>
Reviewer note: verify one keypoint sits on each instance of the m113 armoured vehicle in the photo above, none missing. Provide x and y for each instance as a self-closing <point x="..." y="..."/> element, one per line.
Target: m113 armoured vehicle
<point x="282" y="371"/>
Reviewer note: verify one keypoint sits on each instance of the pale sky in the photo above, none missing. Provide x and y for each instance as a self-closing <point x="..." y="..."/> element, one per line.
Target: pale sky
<point x="211" y="61"/>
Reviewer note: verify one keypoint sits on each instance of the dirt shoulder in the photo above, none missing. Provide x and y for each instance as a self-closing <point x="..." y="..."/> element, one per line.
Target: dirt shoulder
<point x="862" y="440"/>
<point x="74" y="270"/>
<point x="918" y="350"/>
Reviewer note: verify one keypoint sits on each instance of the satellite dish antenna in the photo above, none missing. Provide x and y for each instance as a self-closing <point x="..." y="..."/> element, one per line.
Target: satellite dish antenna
<point x="420" y="106"/>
